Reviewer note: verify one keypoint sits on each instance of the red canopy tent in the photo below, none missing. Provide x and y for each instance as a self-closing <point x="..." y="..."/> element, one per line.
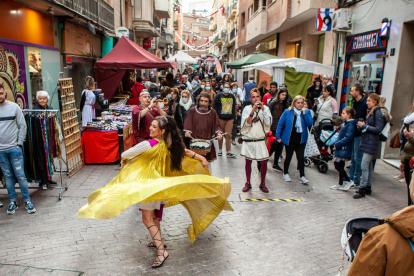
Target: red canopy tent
<point x="110" y="70"/>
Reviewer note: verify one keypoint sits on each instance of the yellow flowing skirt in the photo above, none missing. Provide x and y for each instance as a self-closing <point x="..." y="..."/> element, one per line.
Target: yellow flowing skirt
<point x="148" y="178"/>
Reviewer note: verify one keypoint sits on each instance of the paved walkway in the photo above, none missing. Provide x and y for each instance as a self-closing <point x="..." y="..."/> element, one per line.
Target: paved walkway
<point x="258" y="238"/>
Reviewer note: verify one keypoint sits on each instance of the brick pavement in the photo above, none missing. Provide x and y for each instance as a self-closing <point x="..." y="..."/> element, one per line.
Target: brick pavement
<point x="258" y="238"/>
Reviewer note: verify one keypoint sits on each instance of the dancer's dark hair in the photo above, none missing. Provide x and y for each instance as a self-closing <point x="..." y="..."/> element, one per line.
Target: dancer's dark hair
<point x="172" y="138"/>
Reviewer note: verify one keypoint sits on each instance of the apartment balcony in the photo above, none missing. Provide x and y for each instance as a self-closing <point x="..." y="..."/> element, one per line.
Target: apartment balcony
<point x="146" y="28"/>
<point x="257" y="25"/>
<point x="162" y="8"/>
<point x="97" y="11"/>
<point x="233" y="34"/>
<point x="231" y="12"/>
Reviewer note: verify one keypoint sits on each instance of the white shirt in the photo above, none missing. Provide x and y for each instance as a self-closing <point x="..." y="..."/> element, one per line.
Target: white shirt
<point x="242" y="94"/>
<point x="189" y="87"/>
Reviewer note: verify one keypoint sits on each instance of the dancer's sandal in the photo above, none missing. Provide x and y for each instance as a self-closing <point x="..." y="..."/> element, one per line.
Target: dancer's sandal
<point x="152" y="244"/>
<point x="158" y="262"/>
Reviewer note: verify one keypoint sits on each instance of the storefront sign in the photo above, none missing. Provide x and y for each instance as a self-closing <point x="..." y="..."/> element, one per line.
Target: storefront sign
<point x="149" y="43"/>
<point x="365" y="42"/>
<point x="69" y="62"/>
<point x="324" y="19"/>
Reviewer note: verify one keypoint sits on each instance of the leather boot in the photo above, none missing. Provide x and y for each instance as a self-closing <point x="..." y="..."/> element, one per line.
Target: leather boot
<point x="368" y="190"/>
<point x="247" y="187"/>
<point x="263" y="187"/>
<point x="360" y="193"/>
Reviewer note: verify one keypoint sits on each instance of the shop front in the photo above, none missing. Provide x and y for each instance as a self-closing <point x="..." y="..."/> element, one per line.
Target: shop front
<point x="29" y="60"/>
<point x="364" y="64"/>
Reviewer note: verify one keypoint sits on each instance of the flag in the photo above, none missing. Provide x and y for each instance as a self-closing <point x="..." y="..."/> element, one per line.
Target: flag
<point x="324" y="19"/>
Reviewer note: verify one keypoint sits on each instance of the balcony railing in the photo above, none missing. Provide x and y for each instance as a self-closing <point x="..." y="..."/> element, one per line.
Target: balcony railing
<point x="98" y="11"/>
<point x="231" y="11"/>
<point x="233" y="33"/>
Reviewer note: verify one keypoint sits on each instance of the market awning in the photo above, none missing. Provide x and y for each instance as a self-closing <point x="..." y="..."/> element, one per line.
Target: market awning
<point x="110" y="70"/>
<point x="128" y="55"/>
<point x="250" y="59"/>
<point x="210" y="59"/>
<point x="182" y="57"/>
<point x="300" y="65"/>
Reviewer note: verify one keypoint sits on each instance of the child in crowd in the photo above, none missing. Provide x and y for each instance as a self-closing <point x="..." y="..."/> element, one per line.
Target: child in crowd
<point x="343" y="148"/>
<point x="309" y="106"/>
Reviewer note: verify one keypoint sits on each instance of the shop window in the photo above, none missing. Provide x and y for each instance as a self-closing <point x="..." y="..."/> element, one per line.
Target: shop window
<point x="293" y="49"/>
<point x="35" y="70"/>
<point x="321" y="48"/>
<point x="243" y="19"/>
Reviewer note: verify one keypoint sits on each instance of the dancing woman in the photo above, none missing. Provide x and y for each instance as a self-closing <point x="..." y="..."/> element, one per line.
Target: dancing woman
<point x="161" y="172"/>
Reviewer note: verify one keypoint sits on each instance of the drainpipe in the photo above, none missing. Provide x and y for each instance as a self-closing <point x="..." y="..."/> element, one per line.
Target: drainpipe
<point x="120" y="10"/>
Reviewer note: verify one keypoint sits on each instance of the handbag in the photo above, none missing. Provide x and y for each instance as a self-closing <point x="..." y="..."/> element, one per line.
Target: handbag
<point x="395" y="141"/>
<point x="311" y="148"/>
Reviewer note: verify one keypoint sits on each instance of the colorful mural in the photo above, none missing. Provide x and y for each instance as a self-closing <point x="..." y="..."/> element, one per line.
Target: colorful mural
<point x="13" y="73"/>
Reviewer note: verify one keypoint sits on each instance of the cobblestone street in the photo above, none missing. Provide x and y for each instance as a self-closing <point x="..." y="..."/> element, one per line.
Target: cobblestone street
<point x="258" y="238"/>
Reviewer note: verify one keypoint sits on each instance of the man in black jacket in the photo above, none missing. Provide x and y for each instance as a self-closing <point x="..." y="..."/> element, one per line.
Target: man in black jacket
<point x="360" y="106"/>
<point x="225" y="106"/>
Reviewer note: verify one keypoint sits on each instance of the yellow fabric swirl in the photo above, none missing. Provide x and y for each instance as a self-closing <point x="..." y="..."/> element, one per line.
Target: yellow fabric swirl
<point x="148" y="178"/>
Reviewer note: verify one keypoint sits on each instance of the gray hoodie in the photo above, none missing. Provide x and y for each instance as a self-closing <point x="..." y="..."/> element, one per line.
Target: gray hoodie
<point x="12" y="126"/>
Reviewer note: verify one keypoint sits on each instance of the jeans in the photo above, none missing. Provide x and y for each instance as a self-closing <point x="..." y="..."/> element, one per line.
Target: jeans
<point x="367" y="170"/>
<point x="12" y="165"/>
<point x="355" y="170"/>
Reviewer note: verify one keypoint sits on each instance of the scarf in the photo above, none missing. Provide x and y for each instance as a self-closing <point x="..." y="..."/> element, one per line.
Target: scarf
<point x="298" y="120"/>
<point x="187" y="105"/>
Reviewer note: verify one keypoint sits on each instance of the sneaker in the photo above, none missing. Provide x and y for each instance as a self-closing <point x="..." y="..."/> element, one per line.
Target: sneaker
<point x="220" y="153"/>
<point x="30" y="208"/>
<point x="303" y="180"/>
<point x="233" y="142"/>
<point x="231" y="155"/>
<point x="44" y="186"/>
<point x="277" y="168"/>
<point x="12" y="208"/>
<point x="402" y="180"/>
<point x="355" y="186"/>
<point x="336" y="187"/>
<point x="347" y="185"/>
<point x="1" y="204"/>
<point x="286" y="178"/>
<point x="400" y="176"/>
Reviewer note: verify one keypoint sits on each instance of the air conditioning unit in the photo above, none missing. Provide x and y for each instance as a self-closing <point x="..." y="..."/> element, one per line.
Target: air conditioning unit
<point x="341" y="19"/>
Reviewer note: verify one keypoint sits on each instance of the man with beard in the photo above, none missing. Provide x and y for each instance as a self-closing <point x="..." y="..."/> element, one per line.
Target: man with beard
<point x="202" y="122"/>
<point x="256" y="122"/>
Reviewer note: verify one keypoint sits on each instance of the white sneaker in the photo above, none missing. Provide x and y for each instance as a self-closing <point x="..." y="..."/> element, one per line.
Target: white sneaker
<point x="278" y="161"/>
<point x="286" y="178"/>
<point x="336" y="187"/>
<point x="347" y="185"/>
<point x="303" y="180"/>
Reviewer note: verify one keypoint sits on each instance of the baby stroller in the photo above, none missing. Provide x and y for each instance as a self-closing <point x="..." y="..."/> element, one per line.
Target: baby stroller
<point x="325" y="136"/>
<point x="352" y="234"/>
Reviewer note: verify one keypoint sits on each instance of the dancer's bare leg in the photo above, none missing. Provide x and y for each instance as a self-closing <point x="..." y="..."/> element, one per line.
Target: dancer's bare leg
<point x="156" y="222"/>
<point x="162" y="253"/>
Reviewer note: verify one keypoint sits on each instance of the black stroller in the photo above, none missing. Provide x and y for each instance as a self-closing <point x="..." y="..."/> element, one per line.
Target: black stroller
<point x="326" y="126"/>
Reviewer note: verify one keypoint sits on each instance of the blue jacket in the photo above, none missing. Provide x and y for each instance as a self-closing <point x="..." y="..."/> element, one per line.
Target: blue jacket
<point x="248" y="88"/>
<point x="344" y="143"/>
<point x="374" y="125"/>
<point x="284" y="127"/>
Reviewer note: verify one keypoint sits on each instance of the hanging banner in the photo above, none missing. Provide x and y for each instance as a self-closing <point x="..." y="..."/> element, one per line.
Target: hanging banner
<point x="324" y="19"/>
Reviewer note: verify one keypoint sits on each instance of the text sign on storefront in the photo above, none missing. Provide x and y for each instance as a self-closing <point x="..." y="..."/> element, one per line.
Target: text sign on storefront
<point x="366" y="41"/>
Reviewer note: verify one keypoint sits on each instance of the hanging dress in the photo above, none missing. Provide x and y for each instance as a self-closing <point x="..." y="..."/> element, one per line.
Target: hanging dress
<point x="148" y="178"/>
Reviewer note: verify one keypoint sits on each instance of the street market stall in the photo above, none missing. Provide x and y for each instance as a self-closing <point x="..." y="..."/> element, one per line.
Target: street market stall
<point x="296" y="73"/>
<point x="104" y="139"/>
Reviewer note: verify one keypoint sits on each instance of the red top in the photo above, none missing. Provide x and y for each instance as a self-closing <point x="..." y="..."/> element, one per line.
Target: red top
<point x="266" y="97"/>
<point x="136" y="91"/>
<point x="140" y="126"/>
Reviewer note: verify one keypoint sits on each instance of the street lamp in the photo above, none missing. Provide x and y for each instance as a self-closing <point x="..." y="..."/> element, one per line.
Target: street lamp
<point x="385" y="29"/>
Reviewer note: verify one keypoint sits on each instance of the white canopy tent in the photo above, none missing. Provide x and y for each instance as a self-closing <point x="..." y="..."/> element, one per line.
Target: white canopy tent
<point x="182" y="57"/>
<point x="276" y="67"/>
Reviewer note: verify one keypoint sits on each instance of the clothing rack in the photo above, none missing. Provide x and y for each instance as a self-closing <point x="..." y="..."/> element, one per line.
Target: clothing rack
<point x="63" y="185"/>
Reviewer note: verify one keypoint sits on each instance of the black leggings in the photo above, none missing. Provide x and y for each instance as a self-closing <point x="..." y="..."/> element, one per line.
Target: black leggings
<point x="276" y="148"/>
<point x="299" y="149"/>
<point x="340" y="167"/>
<point x="407" y="174"/>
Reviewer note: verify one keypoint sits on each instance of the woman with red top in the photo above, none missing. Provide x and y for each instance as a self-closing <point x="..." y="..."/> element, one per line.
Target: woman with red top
<point x="135" y="91"/>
